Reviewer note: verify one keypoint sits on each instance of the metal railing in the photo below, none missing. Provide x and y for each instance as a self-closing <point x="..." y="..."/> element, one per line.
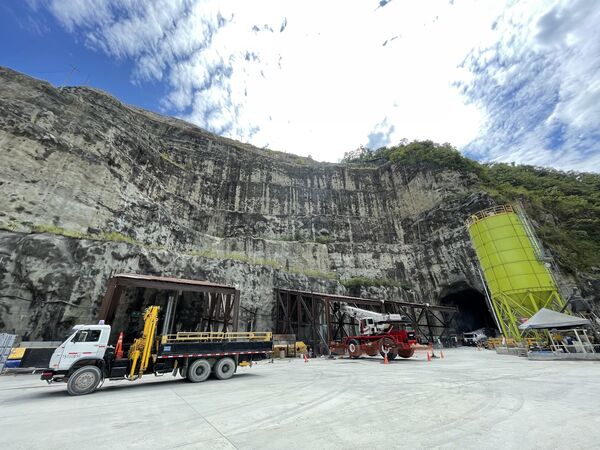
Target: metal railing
<point x="217" y="336"/>
<point x="575" y="348"/>
<point x="488" y="212"/>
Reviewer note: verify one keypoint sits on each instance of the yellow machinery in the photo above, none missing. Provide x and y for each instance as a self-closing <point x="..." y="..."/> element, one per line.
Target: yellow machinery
<point x="518" y="279"/>
<point x="290" y="350"/>
<point x="142" y="347"/>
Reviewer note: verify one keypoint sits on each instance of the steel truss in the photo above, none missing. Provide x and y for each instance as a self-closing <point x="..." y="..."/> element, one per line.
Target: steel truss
<point x="219" y="304"/>
<point x="316" y="318"/>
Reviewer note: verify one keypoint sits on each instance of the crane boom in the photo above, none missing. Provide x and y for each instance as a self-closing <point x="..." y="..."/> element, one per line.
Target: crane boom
<point x="376" y="316"/>
<point x="372" y="322"/>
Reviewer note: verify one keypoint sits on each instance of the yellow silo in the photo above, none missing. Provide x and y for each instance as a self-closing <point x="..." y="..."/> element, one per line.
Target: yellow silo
<point x="519" y="282"/>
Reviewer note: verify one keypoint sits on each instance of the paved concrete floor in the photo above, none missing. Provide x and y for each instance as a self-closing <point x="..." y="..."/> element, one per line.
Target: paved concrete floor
<point x="470" y="399"/>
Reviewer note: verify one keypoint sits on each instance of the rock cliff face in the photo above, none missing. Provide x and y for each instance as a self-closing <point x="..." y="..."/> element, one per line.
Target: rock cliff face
<point x="91" y="186"/>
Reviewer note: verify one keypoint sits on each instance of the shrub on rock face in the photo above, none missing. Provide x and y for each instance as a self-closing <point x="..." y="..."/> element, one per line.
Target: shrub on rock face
<point x="565" y="206"/>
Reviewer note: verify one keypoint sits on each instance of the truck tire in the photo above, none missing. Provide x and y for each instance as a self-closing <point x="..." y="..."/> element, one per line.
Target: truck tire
<point x="84" y="380"/>
<point x="198" y="371"/>
<point x="354" y="349"/>
<point x="224" y="368"/>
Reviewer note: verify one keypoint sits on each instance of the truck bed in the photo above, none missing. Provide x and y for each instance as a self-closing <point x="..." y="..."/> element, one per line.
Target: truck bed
<point x="214" y="344"/>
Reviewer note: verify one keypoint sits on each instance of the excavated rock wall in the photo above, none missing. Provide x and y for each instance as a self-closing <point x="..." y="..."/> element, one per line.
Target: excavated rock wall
<point x="91" y="186"/>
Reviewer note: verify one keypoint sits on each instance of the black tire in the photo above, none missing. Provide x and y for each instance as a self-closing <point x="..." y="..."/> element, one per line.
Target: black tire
<point x="224" y="368"/>
<point x="388" y="343"/>
<point x="406" y="353"/>
<point x="84" y="380"/>
<point x="354" y="349"/>
<point x="198" y="371"/>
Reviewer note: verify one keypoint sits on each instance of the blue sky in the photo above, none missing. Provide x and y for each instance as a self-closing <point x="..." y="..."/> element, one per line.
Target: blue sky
<point x="503" y="81"/>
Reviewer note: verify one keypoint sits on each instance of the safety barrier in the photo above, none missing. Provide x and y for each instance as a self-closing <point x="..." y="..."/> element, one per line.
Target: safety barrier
<point x="493" y="343"/>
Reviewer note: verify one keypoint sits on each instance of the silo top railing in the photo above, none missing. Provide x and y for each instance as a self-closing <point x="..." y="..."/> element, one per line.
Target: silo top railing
<point x="493" y="211"/>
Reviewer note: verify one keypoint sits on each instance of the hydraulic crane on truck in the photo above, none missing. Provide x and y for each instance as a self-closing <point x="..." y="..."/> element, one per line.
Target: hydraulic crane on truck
<point x="379" y="333"/>
<point x="143" y="346"/>
<point x="85" y="359"/>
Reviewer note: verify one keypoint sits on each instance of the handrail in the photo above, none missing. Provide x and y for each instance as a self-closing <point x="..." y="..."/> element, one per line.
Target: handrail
<point x="488" y="212"/>
<point x="217" y="336"/>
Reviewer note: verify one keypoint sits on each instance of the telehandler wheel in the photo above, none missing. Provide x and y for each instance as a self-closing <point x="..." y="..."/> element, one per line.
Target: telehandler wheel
<point x="389" y="344"/>
<point x="224" y="368"/>
<point x="198" y="371"/>
<point x="84" y="380"/>
<point x="354" y="349"/>
<point x="406" y="353"/>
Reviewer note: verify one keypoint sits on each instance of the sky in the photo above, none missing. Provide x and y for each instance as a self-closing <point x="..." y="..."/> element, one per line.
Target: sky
<point x="509" y="81"/>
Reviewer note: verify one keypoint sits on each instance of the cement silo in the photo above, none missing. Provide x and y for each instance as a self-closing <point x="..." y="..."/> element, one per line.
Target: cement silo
<point x="518" y="279"/>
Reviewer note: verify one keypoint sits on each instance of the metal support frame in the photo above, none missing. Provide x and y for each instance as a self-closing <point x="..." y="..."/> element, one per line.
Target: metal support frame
<point x="316" y="319"/>
<point x="219" y="303"/>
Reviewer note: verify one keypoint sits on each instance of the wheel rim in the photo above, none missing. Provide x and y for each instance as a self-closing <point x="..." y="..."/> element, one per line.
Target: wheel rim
<point x="386" y="343"/>
<point x="200" y="370"/>
<point x="226" y="368"/>
<point x="84" y="381"/>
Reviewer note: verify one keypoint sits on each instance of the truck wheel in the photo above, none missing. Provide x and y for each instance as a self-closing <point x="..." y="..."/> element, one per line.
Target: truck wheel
<point x="224" y="368"/>
<point x="84" y="380"/>
<point x="354" y="349"/>
<point x="198" y="371"/>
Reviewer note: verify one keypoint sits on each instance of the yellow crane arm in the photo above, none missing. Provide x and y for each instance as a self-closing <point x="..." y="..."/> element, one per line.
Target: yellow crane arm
<point x="142" y="347"/>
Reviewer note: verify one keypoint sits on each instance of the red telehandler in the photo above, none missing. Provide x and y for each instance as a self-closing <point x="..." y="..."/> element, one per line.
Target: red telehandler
<point x="380" y="333"/>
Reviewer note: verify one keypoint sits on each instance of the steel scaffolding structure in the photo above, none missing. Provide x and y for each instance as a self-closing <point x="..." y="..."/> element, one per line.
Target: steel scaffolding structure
<point x="316" y="319"/>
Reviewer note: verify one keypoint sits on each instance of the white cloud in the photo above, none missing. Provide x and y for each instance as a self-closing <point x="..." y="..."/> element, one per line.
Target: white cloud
<point x="322" y="78"/>
<point x="539" y="84"/>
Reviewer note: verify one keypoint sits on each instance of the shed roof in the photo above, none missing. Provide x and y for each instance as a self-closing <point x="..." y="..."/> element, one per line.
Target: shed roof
<point x="136" y="279"/>
<point x="546" y="318"/>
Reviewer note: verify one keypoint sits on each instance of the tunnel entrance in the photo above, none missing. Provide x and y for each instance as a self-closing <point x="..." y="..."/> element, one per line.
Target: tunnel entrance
<point x="473" y="311"/>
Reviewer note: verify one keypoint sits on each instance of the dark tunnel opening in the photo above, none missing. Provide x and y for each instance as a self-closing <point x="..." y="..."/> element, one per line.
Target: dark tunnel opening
<point x="473" y="312"/>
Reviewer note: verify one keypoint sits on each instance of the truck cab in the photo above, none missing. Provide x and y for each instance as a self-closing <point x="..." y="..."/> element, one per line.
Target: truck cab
<point x="86" y="342"/>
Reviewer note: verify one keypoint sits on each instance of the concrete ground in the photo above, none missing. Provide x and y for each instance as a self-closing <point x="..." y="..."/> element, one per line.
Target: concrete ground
<point x="471" y="399"/>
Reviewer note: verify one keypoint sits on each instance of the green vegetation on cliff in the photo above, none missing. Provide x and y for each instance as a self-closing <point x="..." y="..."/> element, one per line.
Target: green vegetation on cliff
<point x="565" y="206"/>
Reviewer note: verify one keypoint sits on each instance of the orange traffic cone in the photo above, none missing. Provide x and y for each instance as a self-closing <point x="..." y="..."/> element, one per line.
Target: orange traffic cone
<point x="119" y="347"/>
<point x="305" y="358"/>
<point x="428" y="357"/>
<point x="385" y="359"/>
<point x="442" y="354"/>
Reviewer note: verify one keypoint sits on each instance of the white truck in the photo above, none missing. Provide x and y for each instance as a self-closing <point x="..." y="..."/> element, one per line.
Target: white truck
<point x="85" y="359"/>
<point x="475" y="337"/>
